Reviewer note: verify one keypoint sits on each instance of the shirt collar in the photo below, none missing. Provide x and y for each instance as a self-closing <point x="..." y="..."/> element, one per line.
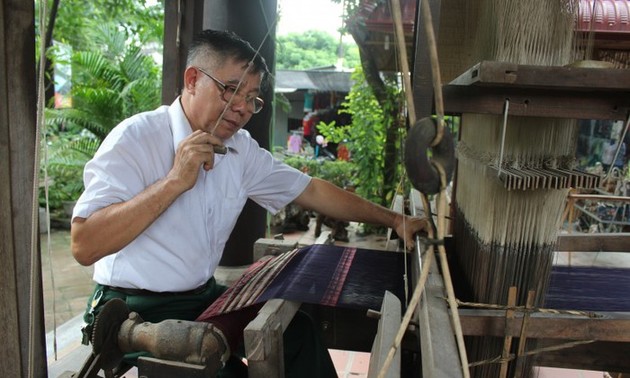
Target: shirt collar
<point x="181" y="128"/>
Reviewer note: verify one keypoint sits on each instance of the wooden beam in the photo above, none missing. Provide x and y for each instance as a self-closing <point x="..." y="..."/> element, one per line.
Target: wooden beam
<point x="610" y="326"/>
<point x="437" y="336"/>
<point x="272" y="247"/>
<point x="604" y="242"/>
<point x="540" y="91"/>
<point x="600" y="356"/>
<point x="491" y="73"/>
<point x="390" y="318"/>
<point x="536" y="102"/>
<point x="263" y="338"/>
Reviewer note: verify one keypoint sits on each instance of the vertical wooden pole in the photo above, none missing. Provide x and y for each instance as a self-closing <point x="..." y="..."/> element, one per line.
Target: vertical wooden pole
<point x="422" y="76"/>
<point x="507" y="343"/>
<point x="522" y="340"/>
<point x="182" y="19"/>
<point x="21" y="306"/>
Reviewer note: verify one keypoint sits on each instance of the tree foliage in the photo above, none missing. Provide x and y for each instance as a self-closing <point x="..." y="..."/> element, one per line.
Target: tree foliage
<point x="381" y="86"/>
<point x="312" y="49"/>
<point x="112" y="79"/>
<point x="368" y="136"/>
<point x="139" y="21"/>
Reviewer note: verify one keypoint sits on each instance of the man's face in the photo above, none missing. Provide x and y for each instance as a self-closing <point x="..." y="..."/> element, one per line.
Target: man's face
<point x="214" y="89"/>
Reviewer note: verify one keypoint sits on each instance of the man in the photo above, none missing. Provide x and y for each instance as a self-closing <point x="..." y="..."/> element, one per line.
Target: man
<point x="159" y="203"/>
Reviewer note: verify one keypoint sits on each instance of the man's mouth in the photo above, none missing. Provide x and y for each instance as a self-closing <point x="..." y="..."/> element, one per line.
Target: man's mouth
<point x="232" y="124"/>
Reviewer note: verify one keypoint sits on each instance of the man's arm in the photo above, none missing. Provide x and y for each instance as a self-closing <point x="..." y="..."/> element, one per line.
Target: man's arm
<point x="110" y="229"/>
<point x="335" y="202"/>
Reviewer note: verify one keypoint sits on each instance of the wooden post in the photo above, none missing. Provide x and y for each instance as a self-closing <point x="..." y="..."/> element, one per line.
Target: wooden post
<point x="391" y="315"/>
<point x="182" y="20"/>
<point x="263" y="338"/>
<point x="21" y="308"/>
<point x="507" y="343"/>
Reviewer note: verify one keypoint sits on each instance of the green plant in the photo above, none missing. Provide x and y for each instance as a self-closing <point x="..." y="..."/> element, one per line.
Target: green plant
<point x="110" y="82"/>
<point x="63" y="170"/>
<point x="366" y="138"/>
<point x="338" y="172"/>
<point x="374" y="139"/>
<point x="332" y="132"/>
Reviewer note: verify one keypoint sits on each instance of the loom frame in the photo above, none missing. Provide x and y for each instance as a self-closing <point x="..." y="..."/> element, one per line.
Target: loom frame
<point x="263" y="335"/>
<point x="540" y="91"/>
<point x="551" y="92"/>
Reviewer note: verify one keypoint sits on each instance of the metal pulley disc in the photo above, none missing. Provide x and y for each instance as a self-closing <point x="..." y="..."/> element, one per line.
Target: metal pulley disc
<point x="421" y="170"/>
<point x="105" y="332"/>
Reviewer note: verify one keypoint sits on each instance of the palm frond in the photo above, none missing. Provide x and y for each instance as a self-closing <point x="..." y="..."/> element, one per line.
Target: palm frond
<point x="141" y="95"/>
<point x="85" y="146"/>
<point x="113" y="42"/>
<point x="76" y="119"/>
<point x="135" y="65"/>
<point x="103" y="103"/>
<point x="93" y="69"/>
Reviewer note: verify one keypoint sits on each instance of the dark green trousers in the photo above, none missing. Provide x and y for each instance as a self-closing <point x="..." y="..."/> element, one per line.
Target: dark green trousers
<point x="304" y="353"/>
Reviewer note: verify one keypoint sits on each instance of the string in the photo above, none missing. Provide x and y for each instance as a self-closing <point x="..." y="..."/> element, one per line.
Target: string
<point x="505" y="117"/>
<point x="35" y="194"/>
<point x="442" y="195"/>
<point x="245" y="72"/>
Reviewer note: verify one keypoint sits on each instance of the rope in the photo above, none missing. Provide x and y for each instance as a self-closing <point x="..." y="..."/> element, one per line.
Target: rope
<point x="511" y="357"/>
<point x="415" y="299"/>
<point x="441" y="224"/>
<point x="435" y="70"/>
<point x="459" y="335"/>
<point x="588" y="314"/>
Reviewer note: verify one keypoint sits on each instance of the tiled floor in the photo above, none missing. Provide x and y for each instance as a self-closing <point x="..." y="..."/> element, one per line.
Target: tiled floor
<point x="72" y="282"/>
<point x="567" y="373"/>
<point x="72" y="286"/>
<point x="350" y="364"/>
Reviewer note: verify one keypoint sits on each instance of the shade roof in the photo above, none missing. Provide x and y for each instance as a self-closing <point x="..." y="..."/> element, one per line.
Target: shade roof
<point x="316" y="80"/>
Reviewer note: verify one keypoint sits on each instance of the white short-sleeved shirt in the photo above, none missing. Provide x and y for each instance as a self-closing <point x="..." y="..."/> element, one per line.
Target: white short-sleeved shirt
<point x="182" y="248"/>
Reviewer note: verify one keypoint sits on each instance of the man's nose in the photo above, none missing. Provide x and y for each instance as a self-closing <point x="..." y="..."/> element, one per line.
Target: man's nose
<point x="238" y="102"/>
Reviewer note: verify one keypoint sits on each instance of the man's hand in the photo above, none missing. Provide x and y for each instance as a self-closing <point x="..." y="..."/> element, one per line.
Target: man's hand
<point x="194" y="151"/>
<point x="407" y="227"/>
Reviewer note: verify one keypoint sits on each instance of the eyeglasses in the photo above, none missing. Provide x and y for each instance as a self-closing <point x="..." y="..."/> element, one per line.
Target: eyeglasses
<point x="254" y="104"/>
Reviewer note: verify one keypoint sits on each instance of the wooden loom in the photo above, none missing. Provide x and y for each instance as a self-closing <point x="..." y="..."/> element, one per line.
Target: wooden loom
<point x="554" y="94"/>
<point x="533" y="91"/>
<point x="530" y="90"/>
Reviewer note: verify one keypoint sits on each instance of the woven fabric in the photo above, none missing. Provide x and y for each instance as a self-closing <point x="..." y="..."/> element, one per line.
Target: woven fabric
<point x="319" y="274"/>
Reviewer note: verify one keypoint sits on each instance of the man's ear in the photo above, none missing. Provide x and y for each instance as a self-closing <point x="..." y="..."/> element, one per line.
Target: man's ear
<point x="191" y="75"/>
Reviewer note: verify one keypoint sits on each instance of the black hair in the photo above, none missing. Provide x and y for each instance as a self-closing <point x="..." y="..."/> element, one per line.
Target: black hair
<point x="223" y="45"/>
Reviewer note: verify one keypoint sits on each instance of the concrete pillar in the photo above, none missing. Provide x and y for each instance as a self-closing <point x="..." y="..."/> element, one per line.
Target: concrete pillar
<point x="252" y="20"/>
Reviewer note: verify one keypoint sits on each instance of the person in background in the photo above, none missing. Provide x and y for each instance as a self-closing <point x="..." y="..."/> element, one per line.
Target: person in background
<point x="308" y="125"/>
<point x="608" y="154"/>
<point x="160" y="203"/>
<point x="621" y="157"/>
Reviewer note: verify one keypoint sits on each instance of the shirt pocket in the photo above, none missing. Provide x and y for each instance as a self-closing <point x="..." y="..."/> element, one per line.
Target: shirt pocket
<point x="225" y="215"/>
